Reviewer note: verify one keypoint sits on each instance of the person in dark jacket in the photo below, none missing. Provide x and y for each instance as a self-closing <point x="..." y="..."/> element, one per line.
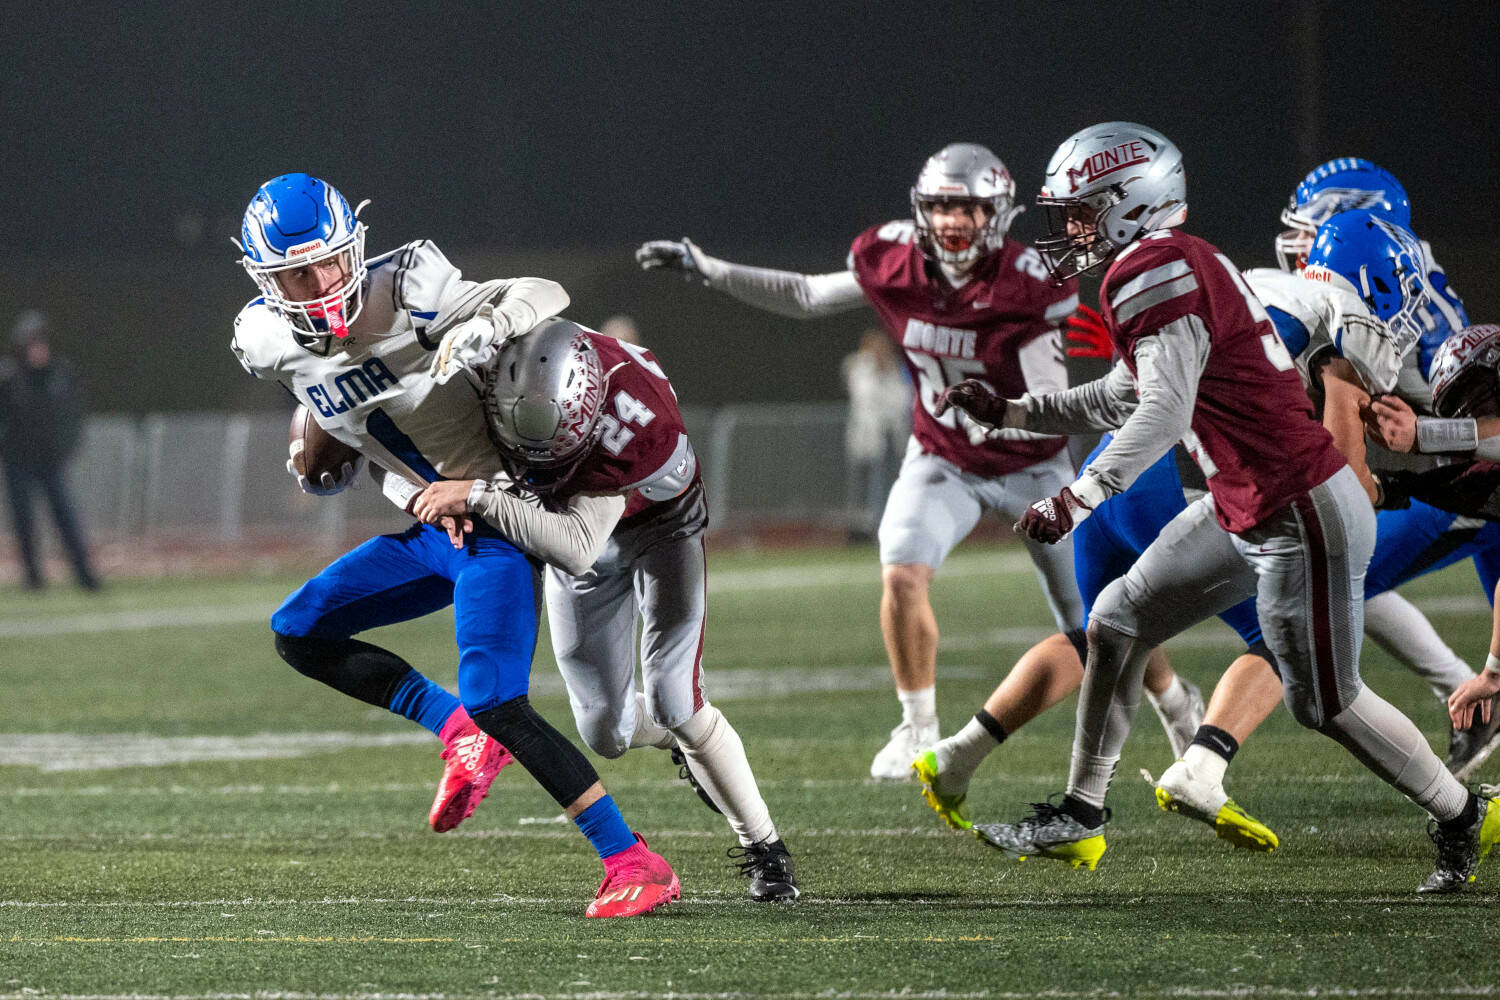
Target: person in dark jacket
<point x="41" y="420"/>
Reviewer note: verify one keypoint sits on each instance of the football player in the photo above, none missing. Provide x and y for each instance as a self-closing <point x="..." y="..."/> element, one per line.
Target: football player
<point x="961" y="300"/>
<point x="1285" y="520"/>
<point x="590" y="425"/>
<point x="371" y="347"/>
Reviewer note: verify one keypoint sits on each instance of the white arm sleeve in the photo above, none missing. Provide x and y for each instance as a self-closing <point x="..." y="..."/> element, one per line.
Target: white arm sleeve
<point x="1168" y="365"/>
<point x="571" y="540"/>
<point x="1100" y="405"/>
<point x="787" y="293"/>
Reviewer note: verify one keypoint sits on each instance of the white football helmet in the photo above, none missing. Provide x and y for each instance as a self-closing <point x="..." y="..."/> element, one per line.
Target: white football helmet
<point x="1112" y="184"/>
<point x="964" y="172"/>
<point x="542" y="398"/>
<point x="1466" y="373"/>
<point x="295" y="220"/>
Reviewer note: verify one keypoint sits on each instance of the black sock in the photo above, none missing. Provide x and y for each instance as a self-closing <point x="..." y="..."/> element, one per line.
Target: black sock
<point x="991" y="725"/>
<point x="1217" y="740"/>
<point x="1465" y="819"/>
<point x="1088" y="815"/>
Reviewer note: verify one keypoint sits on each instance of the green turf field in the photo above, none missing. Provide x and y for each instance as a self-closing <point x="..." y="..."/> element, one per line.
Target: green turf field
<point x="183" y="816"/>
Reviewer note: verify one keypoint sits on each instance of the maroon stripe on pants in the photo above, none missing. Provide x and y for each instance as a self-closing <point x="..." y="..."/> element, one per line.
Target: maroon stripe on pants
<point x="1317" y="551"/>
<point x="698" y="699"/>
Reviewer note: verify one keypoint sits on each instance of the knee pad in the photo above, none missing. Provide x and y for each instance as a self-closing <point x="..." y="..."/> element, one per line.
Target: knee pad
<point x="1303" y="706"/>
<point x="1260" y="649"/>
<point x="557" y="765"/>
<point x="601" y="735"/>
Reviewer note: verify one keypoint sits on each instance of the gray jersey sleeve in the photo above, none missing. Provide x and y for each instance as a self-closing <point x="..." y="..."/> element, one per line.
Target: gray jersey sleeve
<point x="787" y="293"/>
<point x="427" y="282"/>
<point x="1168" y="366"/>
<point x="571" y="540"/>
<point x="1100" y="405"/>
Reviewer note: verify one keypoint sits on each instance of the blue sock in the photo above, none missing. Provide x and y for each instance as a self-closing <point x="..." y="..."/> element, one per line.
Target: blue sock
<point x="423" y="702"/>
<point x="605" y="827"/>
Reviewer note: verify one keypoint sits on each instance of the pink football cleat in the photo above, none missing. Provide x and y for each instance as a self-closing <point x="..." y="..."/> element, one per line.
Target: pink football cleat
<point x="474" y="759"/>
<point x="636" y="881"/>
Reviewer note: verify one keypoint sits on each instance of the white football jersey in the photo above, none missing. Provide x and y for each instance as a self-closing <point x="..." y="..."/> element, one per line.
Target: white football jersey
<point x="372" y="389"/>
<point x="1314" y="319"/>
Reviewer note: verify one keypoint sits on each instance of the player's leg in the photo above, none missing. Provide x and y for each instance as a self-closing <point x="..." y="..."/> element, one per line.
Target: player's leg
<point x="1310" y="563"/>
<point x="52" y="479"/>
<point x="388" y="579"/>
<point x="932" y="506"/>
<point x="671" y="590"/>
<point x="1011" y="495"/>
<point x="1188" y="573"/>
<point x="592" y="622"/>
<point x="18" y="490"/>
<point x="496" y="603"/>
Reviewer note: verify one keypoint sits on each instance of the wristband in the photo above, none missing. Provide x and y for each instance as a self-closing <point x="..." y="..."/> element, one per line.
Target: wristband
<point x="476" y="494"/>
<point x="1089" y="491"/>
<point x="1435" y="434"/>
<point x="1492" y="664"/>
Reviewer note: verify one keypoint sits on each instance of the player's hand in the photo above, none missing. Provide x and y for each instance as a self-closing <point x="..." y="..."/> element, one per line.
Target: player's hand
<point x="978" y="401"/>
<point x="470" y="344"/>
<point x="1051" y="519"/>
<point x="444" y="498"/>
<point x="1391" y="423"/>
<point x="673" y="255"/>
<point x="329" y="484"/>
<point x="1087" y="335"/>
<point x="1474" y="697"/>
<point x="457" y="528"/>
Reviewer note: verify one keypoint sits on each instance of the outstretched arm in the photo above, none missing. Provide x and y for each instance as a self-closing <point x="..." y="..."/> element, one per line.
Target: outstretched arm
<point x="787" y="293"/>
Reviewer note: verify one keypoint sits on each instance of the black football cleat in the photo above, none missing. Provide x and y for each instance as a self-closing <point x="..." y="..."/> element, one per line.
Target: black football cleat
<point x="1459" y="852"/>
<point x="769" y="867"/>
<point x="686" y="774"/>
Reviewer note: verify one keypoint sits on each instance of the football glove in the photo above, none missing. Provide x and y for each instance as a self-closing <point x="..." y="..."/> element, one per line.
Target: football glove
<point x="470" y="344"/>
<point x="673" y="255"/>
<point x="1087" y="335"/>
<point x="982" y="403"/>
<point x="330" y="484"/>
<point x="1051" y="520"/>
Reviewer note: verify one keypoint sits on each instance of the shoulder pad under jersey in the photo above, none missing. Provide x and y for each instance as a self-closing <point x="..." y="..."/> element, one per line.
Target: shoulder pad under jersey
<point x="261" y="339"/>
<point x="1313" y="319"/>
<point x="674" y="476"/>
<point x="420" y="277"/>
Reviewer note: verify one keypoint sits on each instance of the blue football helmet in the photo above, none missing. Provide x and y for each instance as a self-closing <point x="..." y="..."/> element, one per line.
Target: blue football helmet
<point x="295" y="220"/>
<point x="1380" y="262"/>
<point x="1339" y="185"/>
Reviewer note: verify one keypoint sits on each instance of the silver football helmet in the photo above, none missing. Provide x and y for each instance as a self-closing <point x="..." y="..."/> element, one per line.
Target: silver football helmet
<point x="1106" y="187"/>
<point x="542" y="399"/>
<point x="963" y="172"/>
<point x="1465" y="373"/>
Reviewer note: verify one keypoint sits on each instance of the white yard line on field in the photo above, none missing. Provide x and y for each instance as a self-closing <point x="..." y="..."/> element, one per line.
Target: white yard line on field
<point x="1232" y="992"/>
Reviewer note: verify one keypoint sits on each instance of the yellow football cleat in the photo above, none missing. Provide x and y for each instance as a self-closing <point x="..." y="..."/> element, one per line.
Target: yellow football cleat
<point x="1230" y="822"/>
<point x="949" y="807"/>
<point x="1047" y="833"/>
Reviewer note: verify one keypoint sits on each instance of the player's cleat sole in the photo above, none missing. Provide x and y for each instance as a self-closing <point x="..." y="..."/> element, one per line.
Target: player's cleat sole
<point x="686" y="774"/>
<point x="1460" y="852"/>
<point x="472" y="761"/>
<point x="949" y="807"/>
<point x="636" y="881"/>
<point x="1231" y="823"/>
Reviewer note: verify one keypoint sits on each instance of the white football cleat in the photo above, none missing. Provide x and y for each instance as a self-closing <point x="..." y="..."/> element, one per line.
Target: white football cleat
<point x="1181" y="791"/>
<point x="893" y="762"/>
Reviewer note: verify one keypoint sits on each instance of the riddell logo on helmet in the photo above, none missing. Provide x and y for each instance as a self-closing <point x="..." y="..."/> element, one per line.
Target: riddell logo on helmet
<point x="305" y="248"/>
<point x="1317" y="272"/>
<point x="1106" y="162"/>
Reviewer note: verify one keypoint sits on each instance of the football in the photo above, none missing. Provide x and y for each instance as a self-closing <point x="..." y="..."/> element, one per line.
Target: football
<point x="313" y="450"/>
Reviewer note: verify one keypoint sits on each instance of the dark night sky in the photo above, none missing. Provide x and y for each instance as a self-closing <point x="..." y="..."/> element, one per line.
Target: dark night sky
<point x="773" y="129"/>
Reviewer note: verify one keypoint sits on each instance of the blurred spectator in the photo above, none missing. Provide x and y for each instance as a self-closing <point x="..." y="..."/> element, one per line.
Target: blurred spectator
<point x="622" y="328"/>
<point x="41" y="417"/>
<point x="878" y="426"/>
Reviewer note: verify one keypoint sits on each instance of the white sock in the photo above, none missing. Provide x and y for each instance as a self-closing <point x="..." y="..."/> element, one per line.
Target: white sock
<point x="1171" y="702"/>
<point x="717" y="758"/>
<point x="1089" y="777"/>
<point x="648" y="733"/>
<point x="1205" y="764"/>
<point x="959" y="756"/>
<point x="919" y="708"/>
<point x="1404" y="632"/>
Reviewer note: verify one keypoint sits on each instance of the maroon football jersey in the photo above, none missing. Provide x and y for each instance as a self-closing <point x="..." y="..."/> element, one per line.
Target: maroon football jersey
<point x="642" y="432"/>
<point x="1253" y="430"/>
<point x="948" y="334"/>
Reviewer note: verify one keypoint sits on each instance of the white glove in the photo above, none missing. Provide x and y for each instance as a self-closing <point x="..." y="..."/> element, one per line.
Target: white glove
<point x="674" y="255"/>
<point x="470" y="344"/>
<point x="347" y="478"/>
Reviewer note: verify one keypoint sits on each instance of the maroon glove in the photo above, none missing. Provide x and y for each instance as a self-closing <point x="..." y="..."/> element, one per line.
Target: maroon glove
<point x="974" y="398"/>
<point x="1087" y="331"/>
<point x="1051" y="519"/>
